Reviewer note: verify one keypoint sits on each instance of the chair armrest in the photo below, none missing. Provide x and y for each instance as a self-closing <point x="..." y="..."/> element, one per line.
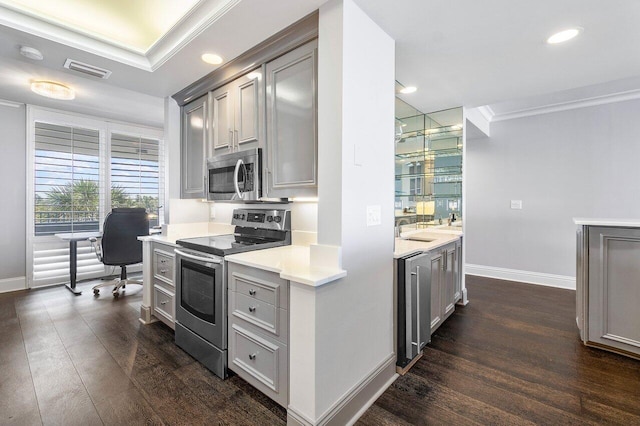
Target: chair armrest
<point x="97" y="247"/>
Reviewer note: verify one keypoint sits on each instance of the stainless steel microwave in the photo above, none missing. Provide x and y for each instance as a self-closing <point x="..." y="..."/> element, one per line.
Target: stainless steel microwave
<point x="235" y="176"/>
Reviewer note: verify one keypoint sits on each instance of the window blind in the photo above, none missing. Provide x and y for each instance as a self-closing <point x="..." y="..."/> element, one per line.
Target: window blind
<point x="67" y="179"/>
<point x="136" y="175"/>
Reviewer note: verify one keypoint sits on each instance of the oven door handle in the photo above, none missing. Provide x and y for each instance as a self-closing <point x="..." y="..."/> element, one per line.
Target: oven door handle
<point x="235" y="178"/>
<point x="199" y="258"/>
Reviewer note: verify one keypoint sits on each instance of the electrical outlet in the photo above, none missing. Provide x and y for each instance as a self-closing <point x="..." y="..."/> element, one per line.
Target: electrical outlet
<point x="374" y="215"/>
<point x="516" y="204"/>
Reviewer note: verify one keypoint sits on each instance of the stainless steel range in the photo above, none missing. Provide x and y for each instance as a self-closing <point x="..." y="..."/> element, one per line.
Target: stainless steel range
<point x="201" y="281"/>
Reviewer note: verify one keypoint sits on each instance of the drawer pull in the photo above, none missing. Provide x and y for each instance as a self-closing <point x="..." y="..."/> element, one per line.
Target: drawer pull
<point x="252" y="308"/>
<point x="252" y="356"/>
<point x="164" y="271"/>
<point x="164" y="302"/>
<point x="252" y="292"/>
<point x="163" y="260"/>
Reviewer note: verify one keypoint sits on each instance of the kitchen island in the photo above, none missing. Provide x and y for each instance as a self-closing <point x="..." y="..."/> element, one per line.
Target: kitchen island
<point x="607" y="284"/>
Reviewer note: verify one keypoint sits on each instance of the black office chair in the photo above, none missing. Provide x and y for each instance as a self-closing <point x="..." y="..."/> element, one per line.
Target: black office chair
<point x="119" y="245"/>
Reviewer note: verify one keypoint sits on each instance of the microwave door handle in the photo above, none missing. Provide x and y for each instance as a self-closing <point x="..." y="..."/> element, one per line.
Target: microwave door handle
<point x="235" y="178"/>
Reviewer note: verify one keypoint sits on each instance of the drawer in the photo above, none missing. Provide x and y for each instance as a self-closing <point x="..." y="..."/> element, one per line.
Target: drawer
<point x="260" y="314"/>
<point x="163" y="266"/>
<point x="163" y="304"/>
<point x="262" y="285"/>
<point x="260" y="361"/>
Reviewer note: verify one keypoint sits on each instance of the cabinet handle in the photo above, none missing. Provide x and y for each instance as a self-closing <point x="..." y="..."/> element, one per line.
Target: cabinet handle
<point x="163" y="261"/>
<point x="252" y="308"/>
<point x="252" y="356"/>
<point x="231" y="139"/>
<point x="164" y="302"/>
<point x="164" y="271"/>
<point x="252" y="292"/>
<point x="237" y="137"/>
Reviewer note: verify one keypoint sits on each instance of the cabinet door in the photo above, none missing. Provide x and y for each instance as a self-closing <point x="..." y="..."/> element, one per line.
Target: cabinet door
<point x="248" y="110"/>
<point x="194" y="139"/>
<point x="292" y="123"/>
<point x="450" y="278"/>
<point x="614" y="288"/>
<point x="222" y="120"/>
<point x="458" y="270"/>
<point x="437" y="264"/>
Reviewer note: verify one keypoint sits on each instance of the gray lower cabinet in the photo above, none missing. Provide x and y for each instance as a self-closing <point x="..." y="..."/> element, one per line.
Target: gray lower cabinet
<point x="193" y="149"/>
<point x="237" y="115"/>
<point x="259" y="330"/>
<point x="163" y="295"/>
<point x="608" y="288"/>
<point x="292" y="134"/>
<point x="445" y="282"/>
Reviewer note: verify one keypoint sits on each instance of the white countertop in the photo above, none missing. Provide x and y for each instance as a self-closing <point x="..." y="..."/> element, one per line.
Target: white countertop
<point x="630" y="223"/>
<point x="291" y="262"/>
<point x="405" y="247"/>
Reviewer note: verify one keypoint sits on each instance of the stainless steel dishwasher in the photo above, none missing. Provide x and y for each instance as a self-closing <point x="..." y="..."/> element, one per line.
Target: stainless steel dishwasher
<point x="414" y="306"/>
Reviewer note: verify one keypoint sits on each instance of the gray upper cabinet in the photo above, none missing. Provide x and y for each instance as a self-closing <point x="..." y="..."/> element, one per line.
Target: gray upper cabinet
<point x="237" y="111"/>
<point x="291" y="148"/>
<point x="194" y="140"/>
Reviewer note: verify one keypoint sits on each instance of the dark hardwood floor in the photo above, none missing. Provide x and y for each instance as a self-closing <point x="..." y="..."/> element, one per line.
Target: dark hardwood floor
<point x="512" y="356"/>
<point x="67" y="360"/>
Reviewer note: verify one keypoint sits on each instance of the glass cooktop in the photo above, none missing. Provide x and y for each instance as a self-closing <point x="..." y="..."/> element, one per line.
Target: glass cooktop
<point x="222" y="245"/>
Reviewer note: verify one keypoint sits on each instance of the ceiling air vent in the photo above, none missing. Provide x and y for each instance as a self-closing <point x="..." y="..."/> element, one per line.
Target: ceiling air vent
<point x="87" y="69"/>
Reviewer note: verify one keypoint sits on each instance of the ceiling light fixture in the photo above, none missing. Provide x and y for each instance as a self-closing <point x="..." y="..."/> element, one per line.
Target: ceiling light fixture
<point x="211" y="58"/>
<point x="564" y="35"/>
<point x="51" y="89"/>
<point x="31" y="53"/>
<point x="408" y="89"/>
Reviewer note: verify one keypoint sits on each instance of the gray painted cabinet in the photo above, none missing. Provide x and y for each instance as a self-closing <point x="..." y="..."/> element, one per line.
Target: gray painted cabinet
<point x="163" y="268"/>
<point x="608" y="284"/>
<point x="259" y="330"/>
<point x="446" y="280"/>
<point x="237" y="114"/>
<point x="193" y="146"/>
<point x="291" y="148"/>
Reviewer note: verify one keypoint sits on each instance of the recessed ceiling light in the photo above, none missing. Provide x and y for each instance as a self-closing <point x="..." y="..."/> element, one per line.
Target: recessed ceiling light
<point x="31" y="53"/>
<point x="212" y="59"/>
<point x="408" y="89"/>
<point x="51" y="89"/>
<point x="564" y="35"/>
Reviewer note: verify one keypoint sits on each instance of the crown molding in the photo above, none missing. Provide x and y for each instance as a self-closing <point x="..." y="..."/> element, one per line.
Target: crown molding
<point x="186" y="29"/>
<point x="197" y="20"/>
<point x="566" y="106"/>
<point x="486" y="112"/>
<point x="11" y="104"/>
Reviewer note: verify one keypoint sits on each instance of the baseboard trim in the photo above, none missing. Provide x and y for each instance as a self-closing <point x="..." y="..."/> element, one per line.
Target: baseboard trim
<point x="13" y="284"/>
<point x="348" y="409"/>
<point x="539" y="278"/>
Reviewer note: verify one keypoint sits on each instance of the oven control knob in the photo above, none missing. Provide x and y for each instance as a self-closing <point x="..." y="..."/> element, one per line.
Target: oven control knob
<point x="269" y="218"/>
<point x="277" y="219"/>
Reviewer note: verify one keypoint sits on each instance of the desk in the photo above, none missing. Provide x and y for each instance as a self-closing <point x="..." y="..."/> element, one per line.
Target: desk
<point x="73" y="238"/>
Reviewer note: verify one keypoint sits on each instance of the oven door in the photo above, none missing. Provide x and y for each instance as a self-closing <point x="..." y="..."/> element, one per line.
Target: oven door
<point x="201" y="295"/>
<point x="235" y="176"/>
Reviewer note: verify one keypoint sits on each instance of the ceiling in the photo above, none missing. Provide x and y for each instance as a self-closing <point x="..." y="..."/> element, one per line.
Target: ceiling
<point x="465" y="52"/>
<point x="143" y="24"/>
<point x="472" y="53"/>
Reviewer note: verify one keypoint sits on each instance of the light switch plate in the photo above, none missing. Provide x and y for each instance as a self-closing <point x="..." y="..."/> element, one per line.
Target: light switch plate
<point x="516" y="204"/>
<point x="374" y="215"/>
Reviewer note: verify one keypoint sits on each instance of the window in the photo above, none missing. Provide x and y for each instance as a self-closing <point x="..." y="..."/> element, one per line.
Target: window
<point x="67" y="179"/>
<point x="79" y="169"/>
<point x="135" y="174"/>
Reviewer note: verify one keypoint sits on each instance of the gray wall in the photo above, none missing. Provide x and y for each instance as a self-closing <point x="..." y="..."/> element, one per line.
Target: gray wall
<point x="579" y="163"/>
<point x="12" y="192"/>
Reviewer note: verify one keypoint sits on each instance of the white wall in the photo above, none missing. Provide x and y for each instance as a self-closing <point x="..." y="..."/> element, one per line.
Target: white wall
<point x="354" y="316"/>
<point x="13" y="195"/>
<point x="577" y="163"/>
